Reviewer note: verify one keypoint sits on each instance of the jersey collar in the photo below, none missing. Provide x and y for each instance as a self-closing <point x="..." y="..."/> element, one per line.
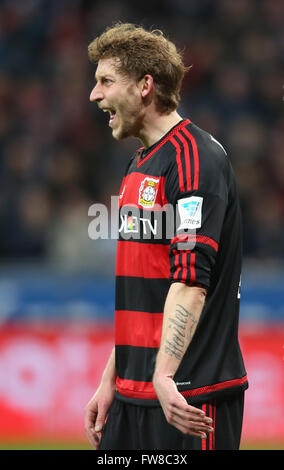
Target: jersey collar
<point x="145" y="154"/>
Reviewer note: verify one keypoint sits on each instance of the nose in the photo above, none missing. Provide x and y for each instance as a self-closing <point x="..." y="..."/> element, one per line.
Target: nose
<point x="96" y="93"/>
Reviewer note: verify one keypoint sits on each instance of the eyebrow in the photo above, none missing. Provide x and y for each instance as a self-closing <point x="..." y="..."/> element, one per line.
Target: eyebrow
<point x="106" y="75"/>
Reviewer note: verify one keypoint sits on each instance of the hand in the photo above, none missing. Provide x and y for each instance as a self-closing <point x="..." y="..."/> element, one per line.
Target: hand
<point x="178" y="412"/>
<point x="96" y="413"/>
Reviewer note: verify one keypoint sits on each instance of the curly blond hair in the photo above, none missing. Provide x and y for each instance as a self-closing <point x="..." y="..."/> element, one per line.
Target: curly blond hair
<point x="142" y="52"/>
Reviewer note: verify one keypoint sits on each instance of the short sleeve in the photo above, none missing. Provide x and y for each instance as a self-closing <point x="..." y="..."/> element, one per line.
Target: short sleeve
<point x="200" y="199"/>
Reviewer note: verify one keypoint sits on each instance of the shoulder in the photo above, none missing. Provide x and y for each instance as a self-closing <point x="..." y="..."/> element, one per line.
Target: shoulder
<point x="206" y="144"/>
<point x="191" y="140"/>
<point x="205" y="156"/>
<point x="199" y="162"/>
<point x="216" y="170"/>
<point x="205" y="148"/>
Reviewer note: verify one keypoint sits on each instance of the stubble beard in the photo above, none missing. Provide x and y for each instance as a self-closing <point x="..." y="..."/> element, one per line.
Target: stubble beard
<point x="129" y="125"/>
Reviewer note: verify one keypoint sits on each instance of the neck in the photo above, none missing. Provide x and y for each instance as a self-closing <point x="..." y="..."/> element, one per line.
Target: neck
<point x="156" y="125"/>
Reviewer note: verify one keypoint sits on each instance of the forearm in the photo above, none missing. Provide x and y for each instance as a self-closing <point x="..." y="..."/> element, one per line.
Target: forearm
<point x="97" y="408"/>
<point x="182" y="311"/>
<point x="109" y="374"/>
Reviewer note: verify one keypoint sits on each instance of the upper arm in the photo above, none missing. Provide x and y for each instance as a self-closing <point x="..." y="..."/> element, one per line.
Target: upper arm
<point x="196" y="187"/>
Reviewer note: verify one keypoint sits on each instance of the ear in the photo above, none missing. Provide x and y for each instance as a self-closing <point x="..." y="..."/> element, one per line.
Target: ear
<point x="146" y="85"/>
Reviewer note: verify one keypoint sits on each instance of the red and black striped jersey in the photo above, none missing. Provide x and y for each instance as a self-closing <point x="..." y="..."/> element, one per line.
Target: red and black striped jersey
<point x="179" y="221"/>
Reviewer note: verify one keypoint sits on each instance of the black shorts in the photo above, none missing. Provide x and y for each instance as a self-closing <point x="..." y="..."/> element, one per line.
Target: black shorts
<point x="133" y="427"/>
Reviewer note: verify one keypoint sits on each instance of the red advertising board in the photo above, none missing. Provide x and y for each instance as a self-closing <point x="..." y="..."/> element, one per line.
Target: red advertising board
<point x="263" y="350"/>
<point x="47" y="376"/>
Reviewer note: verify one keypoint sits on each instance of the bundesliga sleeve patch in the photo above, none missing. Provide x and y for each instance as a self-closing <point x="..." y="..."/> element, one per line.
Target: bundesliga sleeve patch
<point x="190" y="212"/>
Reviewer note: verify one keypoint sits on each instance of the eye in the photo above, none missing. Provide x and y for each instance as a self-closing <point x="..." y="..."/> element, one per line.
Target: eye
<point x="106" y="81"/>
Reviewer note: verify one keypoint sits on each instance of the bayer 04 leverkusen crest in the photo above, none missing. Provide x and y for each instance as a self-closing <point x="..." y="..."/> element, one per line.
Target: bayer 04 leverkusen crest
<point x="148" y="192"/>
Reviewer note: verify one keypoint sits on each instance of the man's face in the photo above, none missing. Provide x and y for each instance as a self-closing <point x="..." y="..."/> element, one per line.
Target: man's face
<point x="120" y="96"/>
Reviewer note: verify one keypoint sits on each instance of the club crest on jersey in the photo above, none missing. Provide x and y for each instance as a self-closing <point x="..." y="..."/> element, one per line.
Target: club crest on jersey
<point x="148" y="192"/>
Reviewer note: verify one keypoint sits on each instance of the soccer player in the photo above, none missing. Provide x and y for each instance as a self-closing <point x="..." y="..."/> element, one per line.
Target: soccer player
<point x="175" y="378"/>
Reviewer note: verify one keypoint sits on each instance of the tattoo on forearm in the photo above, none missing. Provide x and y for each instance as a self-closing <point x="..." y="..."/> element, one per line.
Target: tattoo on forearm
<point x="181" y="331"/>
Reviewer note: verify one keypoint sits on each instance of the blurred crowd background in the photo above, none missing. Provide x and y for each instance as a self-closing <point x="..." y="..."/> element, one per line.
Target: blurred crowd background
<point x="57" y="155"/>
<point x="58" y="158"/>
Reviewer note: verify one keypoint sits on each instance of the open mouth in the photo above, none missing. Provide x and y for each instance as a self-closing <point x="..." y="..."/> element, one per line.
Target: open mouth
<point x="112" y="114"/>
